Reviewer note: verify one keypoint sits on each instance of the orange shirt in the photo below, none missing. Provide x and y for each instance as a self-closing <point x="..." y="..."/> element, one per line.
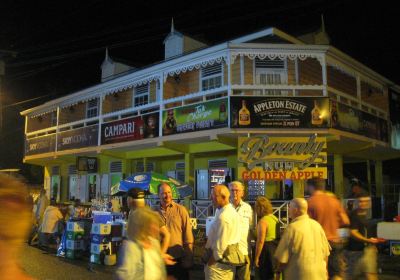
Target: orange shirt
<point x="326" y="209"/>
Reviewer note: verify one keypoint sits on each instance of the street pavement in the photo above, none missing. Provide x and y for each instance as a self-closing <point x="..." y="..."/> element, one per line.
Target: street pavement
<point x="42" y="265"/>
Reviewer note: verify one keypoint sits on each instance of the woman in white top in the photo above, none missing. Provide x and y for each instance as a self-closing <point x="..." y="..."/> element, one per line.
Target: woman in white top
<point x="140" y="256"/>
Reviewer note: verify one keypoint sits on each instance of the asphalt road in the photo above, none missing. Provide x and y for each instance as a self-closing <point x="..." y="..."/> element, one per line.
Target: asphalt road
<point x="42" y="265"/>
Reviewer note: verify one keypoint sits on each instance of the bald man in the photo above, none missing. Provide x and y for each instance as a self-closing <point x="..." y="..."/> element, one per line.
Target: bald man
<point x="303" y="250"/>
<point x="224" y="231"/>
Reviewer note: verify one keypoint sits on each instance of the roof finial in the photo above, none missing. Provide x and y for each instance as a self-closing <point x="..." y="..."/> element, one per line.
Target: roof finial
<point x="107" y="57"/>
<point x="322" y="23"/>
<point x="172" y="26"/>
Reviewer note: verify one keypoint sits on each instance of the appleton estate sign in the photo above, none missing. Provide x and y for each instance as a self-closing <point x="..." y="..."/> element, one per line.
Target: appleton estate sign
<point x="280" y="158"/>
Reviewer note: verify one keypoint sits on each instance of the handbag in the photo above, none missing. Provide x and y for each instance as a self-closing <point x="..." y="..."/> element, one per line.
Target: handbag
<point x="233" y="256"/>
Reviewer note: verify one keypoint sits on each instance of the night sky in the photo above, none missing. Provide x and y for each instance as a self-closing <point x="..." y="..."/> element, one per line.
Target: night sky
<point x="60" y="44"/>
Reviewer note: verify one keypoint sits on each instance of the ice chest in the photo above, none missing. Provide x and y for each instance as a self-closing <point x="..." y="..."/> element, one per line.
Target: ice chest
<point x="73" y="254"/>
<point x="101" y="217"/>
<point x="103" y="229"/>
<point x="75" y="235"/>
<point x="76" y="226"/>
<point x="98" y="248"/>
<point x="389" y="230"/>
<point x="75" y="244"/>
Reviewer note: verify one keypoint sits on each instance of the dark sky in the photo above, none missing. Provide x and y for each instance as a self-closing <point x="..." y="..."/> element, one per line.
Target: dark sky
<point x="60" y="44"/>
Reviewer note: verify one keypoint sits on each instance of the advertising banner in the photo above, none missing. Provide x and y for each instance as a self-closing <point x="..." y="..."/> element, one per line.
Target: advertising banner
<point x="202" y="116"/>
<point x="259" y="173"/>
<point x="278" y="112"/>
<point x="130" y="129"/>
<point x="353" y="120"/>
<point x="40" y="145"/>
<point x="282" y="157"/>
<point x="78" y="138"/>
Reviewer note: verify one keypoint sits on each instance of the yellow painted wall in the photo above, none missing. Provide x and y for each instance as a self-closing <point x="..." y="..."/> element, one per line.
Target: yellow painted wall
<point x="118" y="101"/>
<point x="248" y="71"/>
<point x="73" y="113"/>
<point x="153" y="91"/>
<point x="235" y="69"/>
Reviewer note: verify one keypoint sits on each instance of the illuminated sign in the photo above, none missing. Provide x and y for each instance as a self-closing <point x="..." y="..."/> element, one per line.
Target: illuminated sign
<point x="278" y="158"/>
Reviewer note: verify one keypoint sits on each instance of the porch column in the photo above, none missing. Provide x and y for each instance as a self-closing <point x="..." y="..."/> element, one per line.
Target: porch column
<point x="369" y="176"/>
<point x="189" y="169"/>
<point x="338" y="175"/>
<point x="378" y="178"/>
<point x="189" y="177"/>
<point x="298" y="188"/>
<point x="145" y="164"/>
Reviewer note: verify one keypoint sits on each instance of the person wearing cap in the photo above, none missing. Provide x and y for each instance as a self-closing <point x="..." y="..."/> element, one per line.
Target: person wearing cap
<point x="136" y="201"/>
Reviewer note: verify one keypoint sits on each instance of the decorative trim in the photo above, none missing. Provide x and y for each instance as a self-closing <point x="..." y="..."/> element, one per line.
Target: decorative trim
<point x="134" y="84"/>
<point x="292" y="55"/>
<point x="195" y="65"/>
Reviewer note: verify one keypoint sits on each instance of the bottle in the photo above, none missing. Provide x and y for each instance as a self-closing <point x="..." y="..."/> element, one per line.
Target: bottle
<point x="244" y="114"/>
<point x="316" y="115"/>
<point x="222" y="112"/>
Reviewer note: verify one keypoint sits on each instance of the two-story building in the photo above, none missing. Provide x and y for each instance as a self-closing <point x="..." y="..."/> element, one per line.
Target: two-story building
<point x="266" y="108"/>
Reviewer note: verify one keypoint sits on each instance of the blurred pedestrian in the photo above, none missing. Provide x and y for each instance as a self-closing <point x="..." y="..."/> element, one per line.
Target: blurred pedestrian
<point x="224" y="231"/>
<point x="245" y="212"/>
<point x="264" y="261"/>
<point x="135" y="200"/>
<point x="327" y="210"/>
<point x="303" y="250"/>
<point x="140" y="256"/>
<point x="362" y="253"/>
<point x="15" y="220"/>
<point x="41" y="204"/>
<point x="176" y="218"/>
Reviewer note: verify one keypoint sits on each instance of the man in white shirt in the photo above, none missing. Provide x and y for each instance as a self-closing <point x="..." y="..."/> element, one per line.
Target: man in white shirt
<point x="246" y="213"/>
<point x="303" y="250"/>
<point x="224" y="231"/>
<point x="49" y="231"/>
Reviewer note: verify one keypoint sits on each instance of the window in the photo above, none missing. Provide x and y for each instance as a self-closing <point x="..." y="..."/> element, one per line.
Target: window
<point x="141" y="96"/>
<point x="92" y="108"/>
<point x="271" y="72"/>
<point x="211" y="76"/>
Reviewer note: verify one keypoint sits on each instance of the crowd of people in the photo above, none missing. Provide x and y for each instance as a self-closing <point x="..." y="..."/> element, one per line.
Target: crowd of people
<point x="312" y="246"/>
<point x="160" y="241"/>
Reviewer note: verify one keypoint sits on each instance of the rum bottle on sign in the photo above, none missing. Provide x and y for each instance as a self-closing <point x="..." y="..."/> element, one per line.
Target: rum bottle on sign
<point x="316" y="115"/>
<point x="244" y="114"/>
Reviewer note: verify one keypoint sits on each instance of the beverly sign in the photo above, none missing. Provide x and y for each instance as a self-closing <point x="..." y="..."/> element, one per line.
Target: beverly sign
<point x="277" y="158"/>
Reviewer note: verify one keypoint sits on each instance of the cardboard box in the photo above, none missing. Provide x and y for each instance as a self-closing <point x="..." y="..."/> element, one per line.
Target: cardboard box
<point x="95" y="258"/>
<point x="76" y="226"/>
<point x="75" y="244"/>
<point x="98" y="248"/>
<point x="99" y="238"/>
<point x="103" y="229"/>
<point x="75" y="235"/>
<point x="73" y="254"/>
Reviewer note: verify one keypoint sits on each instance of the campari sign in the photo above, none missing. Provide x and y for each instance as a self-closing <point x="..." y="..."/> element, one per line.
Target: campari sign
<point x="280" y="158"/>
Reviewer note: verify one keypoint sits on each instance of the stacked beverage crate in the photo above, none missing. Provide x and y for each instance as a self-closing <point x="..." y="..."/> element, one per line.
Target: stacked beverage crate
<point x="75" y="243"/>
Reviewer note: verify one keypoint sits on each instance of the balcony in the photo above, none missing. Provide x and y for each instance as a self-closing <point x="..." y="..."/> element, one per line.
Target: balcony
<point x="65" y="126"/>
